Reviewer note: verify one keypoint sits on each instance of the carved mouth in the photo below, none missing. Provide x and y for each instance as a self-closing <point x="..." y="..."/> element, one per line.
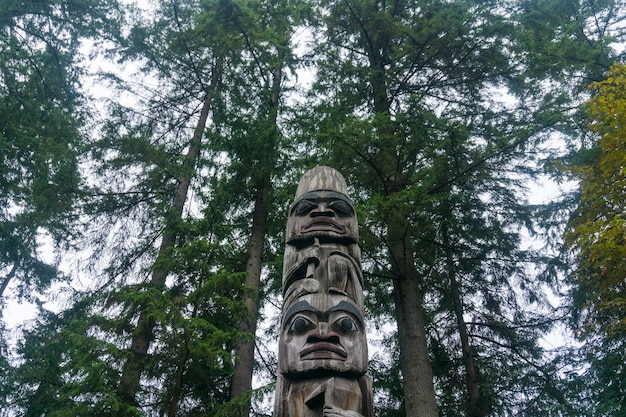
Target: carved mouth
<point x="323" y="350"/>
<point x="325" y="225"/>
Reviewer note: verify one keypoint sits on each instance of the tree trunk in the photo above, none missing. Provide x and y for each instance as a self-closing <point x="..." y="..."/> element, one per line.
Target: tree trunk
<point x="144" y="333"/>
<point x="178" y="383"/>
<point x="475" y="408"/>
<point x="244" y="353"/>
<point x="7" y="279"/>
<point x="417" y="374"/>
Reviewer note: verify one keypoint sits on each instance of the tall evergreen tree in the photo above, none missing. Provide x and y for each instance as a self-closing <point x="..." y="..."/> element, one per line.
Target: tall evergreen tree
<point x="437" y="112"/>
<point x="40" y="136"/>
<point x="255" y="143"/>
<point x="163" y="302"/>
<point x="204" y="39"/>
<point x="41" y="139"/>
<point x="390" y="57"/>
<point x="442" y="106"/>
<point x="143" y="335"/>
<point x="142" y="166"/>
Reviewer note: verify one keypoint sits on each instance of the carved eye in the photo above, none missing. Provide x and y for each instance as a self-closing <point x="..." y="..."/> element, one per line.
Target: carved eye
<point x="299" y="323"/>
<point x="347" y="324"/>
<point x="303" y="207"/>
<point x="341" y="208"/>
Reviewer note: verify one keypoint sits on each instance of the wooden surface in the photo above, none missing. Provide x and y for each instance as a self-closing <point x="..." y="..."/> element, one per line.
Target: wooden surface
<point x="322" y="358"/>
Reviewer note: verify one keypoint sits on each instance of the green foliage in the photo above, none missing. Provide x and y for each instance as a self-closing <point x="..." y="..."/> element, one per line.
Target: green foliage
<point x="596" y="231"/>
<point x="408" y="109"/>
<point x="596" y="236"/>
<point x="39" y="140"/>
<point x="136" y="164"/>
<point x="437" y="112"/>
<point x="607" y="375"/>
<point x="72" y="361"/>
<point x="65" y="369"/>
<point x="384" y="370"/>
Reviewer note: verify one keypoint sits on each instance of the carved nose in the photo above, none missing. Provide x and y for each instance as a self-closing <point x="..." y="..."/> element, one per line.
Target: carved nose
<point x="323" y="334"/>
<point x="322" y="210"/>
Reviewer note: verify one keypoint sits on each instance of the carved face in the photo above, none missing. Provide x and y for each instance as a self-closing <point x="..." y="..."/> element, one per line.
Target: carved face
<point x="325" y="334"/>
<point x="323" y="214"/>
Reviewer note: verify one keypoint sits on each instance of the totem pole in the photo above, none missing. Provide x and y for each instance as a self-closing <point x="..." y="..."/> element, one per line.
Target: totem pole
<point x="322" y="357"/>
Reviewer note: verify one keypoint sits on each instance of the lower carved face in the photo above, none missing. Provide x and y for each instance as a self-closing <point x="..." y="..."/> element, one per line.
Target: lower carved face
<point x="322" y="333"/>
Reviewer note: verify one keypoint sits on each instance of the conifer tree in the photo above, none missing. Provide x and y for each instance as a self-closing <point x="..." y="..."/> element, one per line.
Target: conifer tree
<point x="413" y="94"/>
<point x="267" y="27"/>
<point x="143" y="163"/>
<point x="437" y="112"/>
<point x="40" y="138"/>
<point x="178" y="298"/>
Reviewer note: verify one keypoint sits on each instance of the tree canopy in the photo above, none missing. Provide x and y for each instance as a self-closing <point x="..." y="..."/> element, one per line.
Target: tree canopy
<point x="597" y="230"/>
<point x="596" y="236"/>
<point x="163" y="204"/>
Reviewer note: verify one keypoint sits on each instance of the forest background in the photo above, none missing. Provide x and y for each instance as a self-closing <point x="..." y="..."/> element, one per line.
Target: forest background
<point x="149" y="153"/>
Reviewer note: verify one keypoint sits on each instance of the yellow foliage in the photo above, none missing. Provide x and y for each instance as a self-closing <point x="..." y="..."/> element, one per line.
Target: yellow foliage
<point x="597" y="232"/>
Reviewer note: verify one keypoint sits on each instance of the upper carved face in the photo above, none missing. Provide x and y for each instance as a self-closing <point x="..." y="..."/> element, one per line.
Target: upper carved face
<point x="323" y="333"/>
<point x="322" y="214"/>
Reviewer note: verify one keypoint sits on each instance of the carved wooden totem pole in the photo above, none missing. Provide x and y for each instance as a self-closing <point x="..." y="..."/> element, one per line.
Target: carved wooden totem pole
<point x="322" y="357"/>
